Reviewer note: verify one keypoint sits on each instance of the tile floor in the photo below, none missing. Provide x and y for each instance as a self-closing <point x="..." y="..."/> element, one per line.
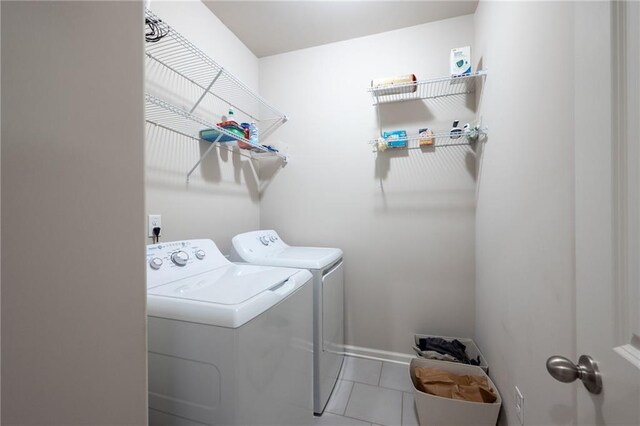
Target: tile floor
<point x="370" y="393"/>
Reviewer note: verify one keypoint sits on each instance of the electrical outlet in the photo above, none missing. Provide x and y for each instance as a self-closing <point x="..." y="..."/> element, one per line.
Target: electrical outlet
<point x="154" y="220"/>
<point x="520" y="406"/>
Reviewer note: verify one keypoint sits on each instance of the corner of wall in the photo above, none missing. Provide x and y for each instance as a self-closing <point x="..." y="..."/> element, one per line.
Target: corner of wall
<point x="524" y="224"/>
<point x="73" y="326"/>
<point x="0" y="215"/>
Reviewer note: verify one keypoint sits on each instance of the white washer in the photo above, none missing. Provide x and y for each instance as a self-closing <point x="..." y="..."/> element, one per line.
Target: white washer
<point x="266" y="248"/>
<point x="228" y="344"/>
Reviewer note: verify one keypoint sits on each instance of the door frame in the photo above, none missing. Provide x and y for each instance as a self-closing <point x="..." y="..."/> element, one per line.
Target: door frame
<point x="625" y="19"/>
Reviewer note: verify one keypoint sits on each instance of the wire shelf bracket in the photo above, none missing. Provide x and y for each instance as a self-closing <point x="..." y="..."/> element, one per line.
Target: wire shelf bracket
<point x="177" y="54"/>
<point x="423" y="90"/>
<point x="167" y="116"/>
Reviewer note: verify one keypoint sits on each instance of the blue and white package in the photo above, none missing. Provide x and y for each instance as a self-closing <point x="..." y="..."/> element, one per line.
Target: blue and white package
<point x="396" y="138"/>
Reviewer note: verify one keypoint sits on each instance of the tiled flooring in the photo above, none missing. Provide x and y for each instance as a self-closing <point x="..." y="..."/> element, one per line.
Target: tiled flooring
<point x="370" y="393"/>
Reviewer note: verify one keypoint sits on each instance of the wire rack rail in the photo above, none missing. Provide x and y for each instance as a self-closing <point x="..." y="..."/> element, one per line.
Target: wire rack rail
<point x="170" y="117"/>
<point x="438" y="140"/>
<point x="426" y="89"/>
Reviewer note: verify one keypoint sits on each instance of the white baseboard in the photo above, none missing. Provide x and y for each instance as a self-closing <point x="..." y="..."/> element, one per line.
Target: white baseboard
<point x="378" y="355"/>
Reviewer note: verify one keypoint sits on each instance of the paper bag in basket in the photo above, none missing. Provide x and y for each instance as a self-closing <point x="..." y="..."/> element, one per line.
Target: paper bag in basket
<point x="449" y="385"/>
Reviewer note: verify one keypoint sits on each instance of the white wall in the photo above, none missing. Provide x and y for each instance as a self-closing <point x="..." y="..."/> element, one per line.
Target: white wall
<point x="221" y="199"/>
<point x="405" y="219"/>
<point x="525" y="296"/>
<point x="73" y="283"/>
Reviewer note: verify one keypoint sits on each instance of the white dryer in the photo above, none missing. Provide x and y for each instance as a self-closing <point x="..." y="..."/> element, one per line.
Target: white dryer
<point x="227" y="344"/>
<point x="266" y="248"/>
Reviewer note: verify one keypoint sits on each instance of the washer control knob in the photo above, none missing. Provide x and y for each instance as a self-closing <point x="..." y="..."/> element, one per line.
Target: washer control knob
<point x="180" y="258"/>
<point x="155" y="263"/>
<point x="272" y="238"/>
<point x="200" y="254"/>
<point x="264" y="240"/>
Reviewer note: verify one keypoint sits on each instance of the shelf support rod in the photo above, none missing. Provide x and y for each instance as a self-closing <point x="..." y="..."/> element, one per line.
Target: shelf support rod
<point x="264" y="134"/>
<point x="378" y="114"/>
<point x="203" y="88"/>
<point x="213" y="144"/>
<point x="170" y="129"/>
<point x="204" y="93"/>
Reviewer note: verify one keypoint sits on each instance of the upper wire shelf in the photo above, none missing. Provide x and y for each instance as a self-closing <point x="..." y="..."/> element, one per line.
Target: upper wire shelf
<point x="179" y="55"/>
<point x="170" y="117"/>
<point x="426" y="89"/>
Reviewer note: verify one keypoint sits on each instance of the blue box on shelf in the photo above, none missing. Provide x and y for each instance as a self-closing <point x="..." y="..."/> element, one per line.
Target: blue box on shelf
<point x="396" y="138"/>
<point x="211" y="135"/>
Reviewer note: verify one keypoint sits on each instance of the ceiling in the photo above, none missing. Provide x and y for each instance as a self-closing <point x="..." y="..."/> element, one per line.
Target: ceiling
<point x="273" y="27"/>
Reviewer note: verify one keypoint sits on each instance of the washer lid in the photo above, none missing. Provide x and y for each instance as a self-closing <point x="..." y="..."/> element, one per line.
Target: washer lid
<point x="230" y="285"/>
<point x="226" y="297"/>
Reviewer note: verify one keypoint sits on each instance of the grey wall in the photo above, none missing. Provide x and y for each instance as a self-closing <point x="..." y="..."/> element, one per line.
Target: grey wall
<point x="525" y="296"/>
<point x="405" y="219"/>
<point x="222" y="197"/>
<point x="0" y="220"/>
<point x="73" y="283"/>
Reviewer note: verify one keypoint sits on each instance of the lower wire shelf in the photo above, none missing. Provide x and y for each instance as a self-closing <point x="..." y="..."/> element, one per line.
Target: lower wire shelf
<point x="167" y="116"/>
<point x="446" y="139"/>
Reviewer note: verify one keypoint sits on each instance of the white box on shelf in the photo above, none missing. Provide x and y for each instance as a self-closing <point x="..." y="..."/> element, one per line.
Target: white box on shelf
<point x="461" y="61"/>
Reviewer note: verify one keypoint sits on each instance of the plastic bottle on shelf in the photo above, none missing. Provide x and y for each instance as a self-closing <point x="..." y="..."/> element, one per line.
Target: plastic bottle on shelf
<point x="456" y="131"/>
<point x="241" y="144"/>
<point x="253" y="133"/>
<point x="231" y="116"/>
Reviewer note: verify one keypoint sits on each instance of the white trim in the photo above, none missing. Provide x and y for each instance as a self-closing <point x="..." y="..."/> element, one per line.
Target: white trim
<point x="624" y="117"/>
<point x="378" y="355"/>
<point x="630" y="353"/>
<point x="619" y="168"/>
<point x="633" y="151"/>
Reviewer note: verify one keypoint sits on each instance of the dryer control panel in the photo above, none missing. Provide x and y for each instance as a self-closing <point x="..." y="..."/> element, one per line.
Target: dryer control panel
<point x="262" y="243"/>
<point x="167" y="262"/>
<point x="266" y="248"/>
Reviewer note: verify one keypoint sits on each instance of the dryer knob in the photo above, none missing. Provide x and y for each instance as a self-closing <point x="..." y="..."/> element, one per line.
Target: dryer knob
<point x="272" y="238"/>
<point x="180" y="258"/>
<point x="200" y="254"/>
<point x="264" y="240"/>
<point x="155" y="263"/>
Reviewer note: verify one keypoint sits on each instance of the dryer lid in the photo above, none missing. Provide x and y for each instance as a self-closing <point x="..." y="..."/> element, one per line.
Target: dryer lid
<point x="266" y="248"/>
<point x="303" y="257"/>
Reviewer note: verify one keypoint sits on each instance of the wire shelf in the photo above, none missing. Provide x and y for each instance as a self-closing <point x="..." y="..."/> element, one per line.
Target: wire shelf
<point x="179" y="55"/>
<point x="444" y="139"/>
<point x="426" y="89"/>
<point x="170" y="117"/>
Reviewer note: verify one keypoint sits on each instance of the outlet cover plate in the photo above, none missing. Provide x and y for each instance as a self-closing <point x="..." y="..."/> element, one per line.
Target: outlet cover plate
<point x="154" y="220"/>
<point x="519" y="405"/>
